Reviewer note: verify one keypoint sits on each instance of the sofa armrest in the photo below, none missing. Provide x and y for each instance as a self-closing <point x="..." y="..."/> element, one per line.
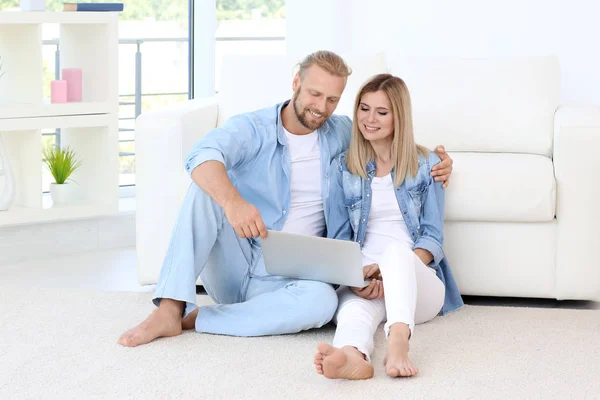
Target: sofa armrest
<point x="576" y="168"/>
<point x="163" y="139"/>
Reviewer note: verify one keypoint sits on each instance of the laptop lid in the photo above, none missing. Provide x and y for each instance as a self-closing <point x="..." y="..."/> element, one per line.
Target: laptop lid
<point x="313" y="258"/>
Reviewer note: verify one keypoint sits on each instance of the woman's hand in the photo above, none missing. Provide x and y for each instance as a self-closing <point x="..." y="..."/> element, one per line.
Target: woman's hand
<point x="375" y="289"/>
<point x="442" y="170"/>
<point x="424" y="255"/>
<point x="372" y="271"/>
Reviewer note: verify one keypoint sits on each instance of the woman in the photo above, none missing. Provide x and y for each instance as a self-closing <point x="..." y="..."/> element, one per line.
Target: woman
<point x="383" y="197"/>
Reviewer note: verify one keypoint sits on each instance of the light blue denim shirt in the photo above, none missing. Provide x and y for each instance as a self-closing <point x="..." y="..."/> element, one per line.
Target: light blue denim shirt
<point x="421" y="201"/>
<point x="253" y="148"/>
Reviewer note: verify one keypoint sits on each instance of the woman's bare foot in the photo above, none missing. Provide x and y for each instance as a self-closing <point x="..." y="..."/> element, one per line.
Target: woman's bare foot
<point x="165" y="321"/>
<point x="396" y="361"/>
<point x="189" y="322"/>
<point x="344" y="363"/>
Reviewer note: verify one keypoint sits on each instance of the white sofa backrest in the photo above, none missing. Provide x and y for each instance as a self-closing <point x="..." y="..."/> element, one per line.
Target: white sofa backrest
<point x="251" y="82"/>
<point x="502" y="105"/>
<point x="491" y="105"/>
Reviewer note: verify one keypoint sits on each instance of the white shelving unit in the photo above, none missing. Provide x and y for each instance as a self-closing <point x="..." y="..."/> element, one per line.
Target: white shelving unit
<point x="88" y="41"/>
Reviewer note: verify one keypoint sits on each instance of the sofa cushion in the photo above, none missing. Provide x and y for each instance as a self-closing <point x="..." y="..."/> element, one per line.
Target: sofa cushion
<point x="501" y="188"/>
<point x="502" y="105"/>
<point x="251" y="82"/>
<point x="503" y="259"/>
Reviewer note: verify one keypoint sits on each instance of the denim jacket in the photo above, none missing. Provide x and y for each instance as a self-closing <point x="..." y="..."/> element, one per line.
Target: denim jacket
<point x="421" y="201"/>
<point x="253" y="147"/>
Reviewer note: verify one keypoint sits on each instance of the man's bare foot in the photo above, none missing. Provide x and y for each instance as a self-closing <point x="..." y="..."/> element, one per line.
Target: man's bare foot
<point x="189" y="322"/>
<point x="165" y="321"/>
<point x="396" y="361"/>
<point x="344" y="363"/>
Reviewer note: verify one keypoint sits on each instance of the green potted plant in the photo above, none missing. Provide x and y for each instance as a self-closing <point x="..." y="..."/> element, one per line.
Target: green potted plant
<point x="62" y="164"/>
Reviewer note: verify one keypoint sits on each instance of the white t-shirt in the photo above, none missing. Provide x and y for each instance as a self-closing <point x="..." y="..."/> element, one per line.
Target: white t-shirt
<point x="305" y="215"/>
<point x="386" y="224"/>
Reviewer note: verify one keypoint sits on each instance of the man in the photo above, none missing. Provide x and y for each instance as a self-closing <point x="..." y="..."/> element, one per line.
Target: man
<point x="262" y="170"/>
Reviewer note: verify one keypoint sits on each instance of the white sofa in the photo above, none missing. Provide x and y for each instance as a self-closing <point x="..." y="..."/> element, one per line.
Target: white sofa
<point x="521" y="212"/>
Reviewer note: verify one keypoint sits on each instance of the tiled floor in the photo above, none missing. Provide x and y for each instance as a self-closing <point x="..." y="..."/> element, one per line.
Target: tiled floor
<point x="116" y="270"/>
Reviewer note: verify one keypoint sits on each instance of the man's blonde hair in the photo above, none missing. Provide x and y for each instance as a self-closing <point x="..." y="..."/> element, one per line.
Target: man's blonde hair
<point x="404" y="151"/>
<point x="328" y="60"/>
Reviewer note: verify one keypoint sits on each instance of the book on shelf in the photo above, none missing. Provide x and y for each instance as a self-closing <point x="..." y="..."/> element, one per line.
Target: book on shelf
<point x="93" y="7"/>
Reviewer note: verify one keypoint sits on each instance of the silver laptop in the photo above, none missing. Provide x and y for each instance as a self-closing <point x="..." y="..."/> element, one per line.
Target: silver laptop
<point x="314" y="258"/>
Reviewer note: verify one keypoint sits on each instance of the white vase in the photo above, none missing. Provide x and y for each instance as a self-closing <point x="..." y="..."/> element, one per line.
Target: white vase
<point x="7" y="180"/>
<point x="33" y="5"/>
<point x="60" y="194"/>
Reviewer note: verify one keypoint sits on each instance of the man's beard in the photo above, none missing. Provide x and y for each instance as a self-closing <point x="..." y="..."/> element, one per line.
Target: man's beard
<point x="303" y="118"/>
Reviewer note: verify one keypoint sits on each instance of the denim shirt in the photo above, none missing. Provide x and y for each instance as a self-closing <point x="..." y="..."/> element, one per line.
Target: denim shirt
<point x="421" y="201"/>
<point x="253" y="147"/>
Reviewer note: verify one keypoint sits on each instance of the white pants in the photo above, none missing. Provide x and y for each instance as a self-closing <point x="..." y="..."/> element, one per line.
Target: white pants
<point x="413" y="294"/>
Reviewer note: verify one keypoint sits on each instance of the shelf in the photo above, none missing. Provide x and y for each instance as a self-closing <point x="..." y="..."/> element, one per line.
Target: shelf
<point x="91" y="47"/>
<point x="57" y="17"/>
<point x="66" y="121"/>
<point x="55" y="110"/>
<point x="18" y="215"/>
<point x="94" y="138"/>
<point x="88" y="41"/>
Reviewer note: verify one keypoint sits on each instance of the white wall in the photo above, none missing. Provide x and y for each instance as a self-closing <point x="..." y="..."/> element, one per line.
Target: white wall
<point x="465" y="28"/>
<point x="317" y="24"/>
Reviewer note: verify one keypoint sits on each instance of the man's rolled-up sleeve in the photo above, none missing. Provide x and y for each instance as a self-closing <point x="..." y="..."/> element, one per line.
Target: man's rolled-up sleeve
<point x="233" y="144"/>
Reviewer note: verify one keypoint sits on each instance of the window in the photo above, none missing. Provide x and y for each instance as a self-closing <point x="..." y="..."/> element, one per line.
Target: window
<point x="248" y="27"/>
<point x="153" y="67"/>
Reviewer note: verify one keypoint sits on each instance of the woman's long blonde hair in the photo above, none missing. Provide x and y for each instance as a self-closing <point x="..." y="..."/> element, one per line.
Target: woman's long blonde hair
<point x="404" y="151"/>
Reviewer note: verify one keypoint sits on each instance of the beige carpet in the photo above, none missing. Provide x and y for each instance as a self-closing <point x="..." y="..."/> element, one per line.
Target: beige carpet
<point x="62" y="344"/>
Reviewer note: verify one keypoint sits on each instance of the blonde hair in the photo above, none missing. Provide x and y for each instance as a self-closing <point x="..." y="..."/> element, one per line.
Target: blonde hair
<point x="327" y="60"/>
<point x="404" y="150"/>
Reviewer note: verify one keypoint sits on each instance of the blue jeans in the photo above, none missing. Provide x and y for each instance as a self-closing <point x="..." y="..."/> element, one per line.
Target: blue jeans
<point x="250" y="302"/>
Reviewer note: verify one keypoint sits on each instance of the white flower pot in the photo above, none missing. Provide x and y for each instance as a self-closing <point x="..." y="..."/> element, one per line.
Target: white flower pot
<point x="60" y="194"/>
<point x="7" y="180"/>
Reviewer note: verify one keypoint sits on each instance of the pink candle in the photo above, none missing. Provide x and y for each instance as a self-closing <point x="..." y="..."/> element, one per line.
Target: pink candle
<point x="74" y="84"/>
<point x="58" y="91"/>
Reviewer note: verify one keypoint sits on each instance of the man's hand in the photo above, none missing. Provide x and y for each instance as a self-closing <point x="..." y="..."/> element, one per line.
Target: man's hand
<point x="375" y="288"/>
<point x="441" y="171"/>
<point x="245" y="219"/>
<point x="211" y="176"/>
